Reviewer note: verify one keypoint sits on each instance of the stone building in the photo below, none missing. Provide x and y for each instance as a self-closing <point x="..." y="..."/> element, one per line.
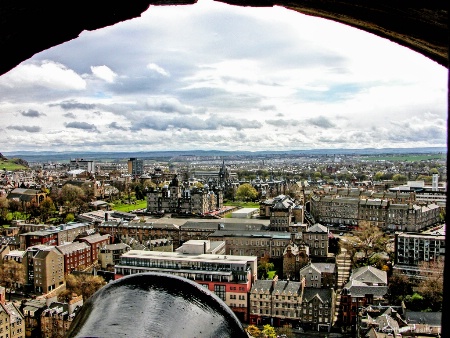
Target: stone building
<point x="48" y="265"/>
<point x="12" y="323"/>
<point x="316" y="237"/>
<point x="176" y="199"/>
<point x="57" y="317"/>
<point x="317" y="309"/>
<point x="385" y="213"/>
<point x="366" y="286"/>
<point x="319" y="275"/>
<point x="295" y="257"/>
<point x="269" y="244"/>
<point x="287" y="302"/>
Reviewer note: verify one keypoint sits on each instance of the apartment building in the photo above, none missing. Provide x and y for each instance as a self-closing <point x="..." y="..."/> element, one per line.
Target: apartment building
<point x="319" y="275"/>
<point x="286" y="302"/>
<point x="317" y="309"/>
<point x="54" y="235"/>
<point x="229" y="277"/>
<point x="253" y="243"/>
<point x="413" y="248"/>
<point x="316" y="237"/>
<point x="95" y="241"/>
<point x="109" y="254"/>
<point x="386" y="213"/>
<point x="48" y="266"/>
<point x="12" y="324"/>
<point x="135" y="166"/>
<point x="76" y="255"/>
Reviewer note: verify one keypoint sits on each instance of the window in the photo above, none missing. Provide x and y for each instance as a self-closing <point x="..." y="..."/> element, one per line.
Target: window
<point x="219" y="290"/>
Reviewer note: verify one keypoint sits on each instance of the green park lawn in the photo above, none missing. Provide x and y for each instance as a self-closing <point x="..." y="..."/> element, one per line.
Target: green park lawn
<point x="129" y="207"/>
<point x="241" y="204"/>
<point x="9" y="165"/>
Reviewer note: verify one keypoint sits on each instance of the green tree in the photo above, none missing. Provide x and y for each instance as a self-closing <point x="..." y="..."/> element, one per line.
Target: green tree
<point x="399" y="178"/>
<point x="47" y="208"/>
<point x="4" y="209"/>
<point x="433" y="171"/>
<point x="378" y="176"/>
<point x="269" y="331"/>
<point x="69" y="218"/>
<point x="399" y="287"/>
<point x="72" y="197"/>
<point x="264" y="267"/>
<point x="12" y="274"/>
<point x="246" y="192"/>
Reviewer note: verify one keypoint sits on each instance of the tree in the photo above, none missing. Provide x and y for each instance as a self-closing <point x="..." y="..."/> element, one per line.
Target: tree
<point x="254" y="331"/>
<point x="246" y="192"/>
<point x="263" y="269"/>
<point x="47" y="208"/>
<point x="269" y="331"/>
<point x="431" y="286"/>
<point x="14" y="207"/>
<point x="12" y="274"/>
<point x="285" y="330"/>
<point x="82" y="284"/>
<point x="72" y="197"/>
<point x="399" y="178"/>
<point x="4" y="209"/>
<point x="371" y="239"/>
<point x="378" y="176"/>
<point x="399" y="287"/>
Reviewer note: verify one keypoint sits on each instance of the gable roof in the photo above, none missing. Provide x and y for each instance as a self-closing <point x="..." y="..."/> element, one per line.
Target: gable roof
<point x="369" y="275"/>
<point x="318" y="228"/>
<point x="261" y="285"/>
<point x="323" y="295"/>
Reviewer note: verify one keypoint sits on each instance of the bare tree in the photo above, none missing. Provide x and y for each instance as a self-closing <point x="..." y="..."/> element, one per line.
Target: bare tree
<point x="431" y="285"/>
<point x="12" y="275"/>
<point x="82" y="284"/>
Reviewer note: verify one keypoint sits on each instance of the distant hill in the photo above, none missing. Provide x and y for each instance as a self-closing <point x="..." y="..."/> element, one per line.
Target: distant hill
<point x="12" y="164"/>
<point x="35" y="156"/>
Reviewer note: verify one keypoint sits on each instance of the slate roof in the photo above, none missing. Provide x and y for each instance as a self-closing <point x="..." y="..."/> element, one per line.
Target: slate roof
<point x="369" y="275"/>
<point x="325" y="267"/>
<point x="323" y="294"/>
<point x="359" y="289"/>
<point x="386" y="322"/>
<point x="95" y="238"/>
<point x="318" y="228"/>
<point x="72" y="247"/>
<point x="287" y="287"/>
<point x="262" y="285"/>
<point x="430" y="318"/>
<point x="13" y="312"/>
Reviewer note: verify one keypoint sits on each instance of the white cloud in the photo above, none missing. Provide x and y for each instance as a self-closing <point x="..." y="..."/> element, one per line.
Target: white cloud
<point x="154" y="67"/>
<point x="47" y="73"/>
<point x="240" y="78"/>
<point x="104" y="73"/>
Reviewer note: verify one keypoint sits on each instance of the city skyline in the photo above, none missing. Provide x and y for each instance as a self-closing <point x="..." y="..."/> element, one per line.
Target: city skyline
<point x="215" y="76"/>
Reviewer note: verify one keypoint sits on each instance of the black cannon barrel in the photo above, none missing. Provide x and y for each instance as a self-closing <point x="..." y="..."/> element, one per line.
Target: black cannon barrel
<point x="155" y="305"/>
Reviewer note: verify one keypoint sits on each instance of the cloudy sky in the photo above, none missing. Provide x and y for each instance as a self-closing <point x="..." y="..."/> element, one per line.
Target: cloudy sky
<point x="215" y="76"/>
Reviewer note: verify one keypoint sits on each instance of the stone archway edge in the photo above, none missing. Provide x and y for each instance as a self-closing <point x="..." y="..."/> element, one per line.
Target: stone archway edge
<point x="27" y="28"/>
